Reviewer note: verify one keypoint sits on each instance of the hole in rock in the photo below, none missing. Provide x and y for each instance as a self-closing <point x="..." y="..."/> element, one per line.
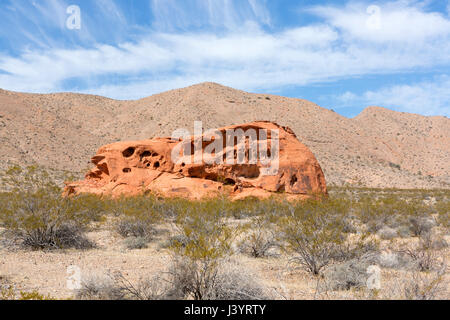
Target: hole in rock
<point x="156" y="165"/>
<point x="128" y="152"/>
<point x="293" y="180"/>
<point x="126" y="170"/>
<point x="145" y="154"/>
<point x="229" y="182"/>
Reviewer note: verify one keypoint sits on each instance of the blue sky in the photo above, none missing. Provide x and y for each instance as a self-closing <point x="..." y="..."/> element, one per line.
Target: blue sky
<point x="342" y="55"/>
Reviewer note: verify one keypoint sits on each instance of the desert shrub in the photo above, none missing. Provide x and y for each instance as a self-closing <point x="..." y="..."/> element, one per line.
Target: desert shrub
<point x="195" y="266"/>
<point x="421" y="225"/>
<point x="439" y="243"/>
<point x="36" y="214"/>
<point x="136" y="243"/>
<point x="404" y="231"/>
<point x="137" y="219"/>
<point x="33" y="295"/>
<point x="376" y="213"/>
<point x="227" y="282"/>
<point x="388" y="260"/>
<point x="350" y="224"/>
<point x="178" y="239"/>
<point x="259" y="239"/>
<point x="8" y="293"/>
<point x="390" y="211"/>
<point x="349" y="274"/>
<point x="117" y="287"/>
<point x="230" y="283"/>
<point x="252" y="207"/>
<point x="314" y="232"/>
<point x="154" y="288"/>
<point x="443" y="210"/>
<point x="6" y="289"/>
<point x="394" y="260"/>
<point x="423" y="286"/>
<point x="99" y="287"/>
<point x="42" y="220"/>
<point x="423" y="254"/>
<point x="234" y="283"/>
<point x="356" y="247"/>
<point x="387" y="233"/>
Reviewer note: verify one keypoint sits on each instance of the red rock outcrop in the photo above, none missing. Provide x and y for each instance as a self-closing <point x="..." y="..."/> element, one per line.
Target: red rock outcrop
<point x="155" y="166"/>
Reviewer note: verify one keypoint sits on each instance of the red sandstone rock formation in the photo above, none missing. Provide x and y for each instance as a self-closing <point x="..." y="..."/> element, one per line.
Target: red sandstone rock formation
<point x="135" y="167"/>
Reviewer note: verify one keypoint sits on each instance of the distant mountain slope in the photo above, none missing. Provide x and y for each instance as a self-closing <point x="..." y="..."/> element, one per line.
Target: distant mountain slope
<point x="378" y="148"/>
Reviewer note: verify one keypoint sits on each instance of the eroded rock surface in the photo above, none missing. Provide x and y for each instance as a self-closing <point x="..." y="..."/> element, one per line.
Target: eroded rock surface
<point x="135" y="167"/>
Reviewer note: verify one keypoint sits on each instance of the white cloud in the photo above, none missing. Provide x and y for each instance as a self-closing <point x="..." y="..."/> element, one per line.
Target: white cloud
<point x="245" y="56"/>
<point x="392" y="22"/>
<point x="428" y="97"/>
<point x="170" y="15"/>
<point x="111" y="11"/>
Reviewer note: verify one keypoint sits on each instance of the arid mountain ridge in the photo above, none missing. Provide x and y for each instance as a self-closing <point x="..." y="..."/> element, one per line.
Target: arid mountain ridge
<point x="378" y="148"/>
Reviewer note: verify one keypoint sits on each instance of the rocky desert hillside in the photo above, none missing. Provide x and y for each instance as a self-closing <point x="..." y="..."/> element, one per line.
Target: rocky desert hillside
<point x="377" y="148"/>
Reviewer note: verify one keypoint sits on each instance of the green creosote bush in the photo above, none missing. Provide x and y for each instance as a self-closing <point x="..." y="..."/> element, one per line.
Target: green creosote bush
<point x="138" y="217"/>
<point x="443" y="210"/>
<point x="252" y="207"/>
<point x="195" y="264"/>
<point x="11" y="294"/>
<point x="35" y="213"/>
<point x="313" y="231"/>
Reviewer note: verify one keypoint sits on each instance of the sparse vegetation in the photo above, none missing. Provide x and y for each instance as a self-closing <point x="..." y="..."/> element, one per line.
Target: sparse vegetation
<point x="260" y="238"/>
<point x="314" y="232"/>
<point x="35" y="213"/>
<point x="195" y="265"/>
<point x="423" y="254"/>
<point x="137" y="217"/>
<point x="333" y="240"/>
